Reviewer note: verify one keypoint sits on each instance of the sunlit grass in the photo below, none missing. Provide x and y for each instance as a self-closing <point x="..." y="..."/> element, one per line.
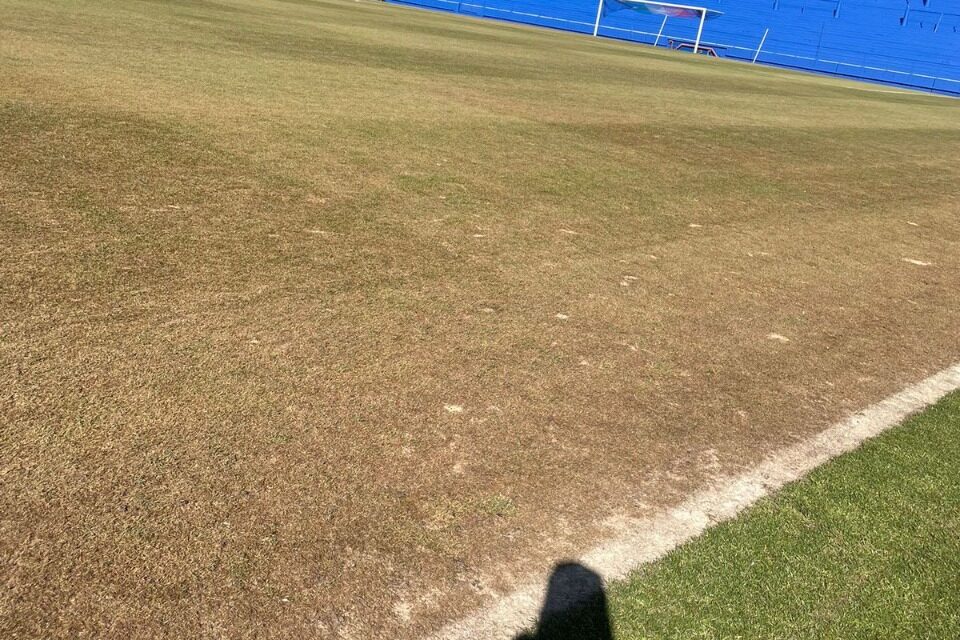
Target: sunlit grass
<point x="866" y="547"/>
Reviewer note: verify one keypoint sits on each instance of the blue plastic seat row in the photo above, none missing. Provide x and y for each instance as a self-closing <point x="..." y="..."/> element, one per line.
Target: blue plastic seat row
<point x="913" y="43"/>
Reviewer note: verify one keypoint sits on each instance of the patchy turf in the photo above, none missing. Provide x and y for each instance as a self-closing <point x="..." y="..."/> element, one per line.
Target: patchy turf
<point x="866" y="547"/>
<point x="255" y="255"/>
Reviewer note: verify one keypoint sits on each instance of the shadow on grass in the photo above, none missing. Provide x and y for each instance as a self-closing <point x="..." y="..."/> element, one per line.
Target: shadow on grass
<point x="575" y="607"/>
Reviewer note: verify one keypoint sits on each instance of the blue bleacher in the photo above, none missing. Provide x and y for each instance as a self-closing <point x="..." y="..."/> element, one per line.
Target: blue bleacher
<point x="913" y="43"/>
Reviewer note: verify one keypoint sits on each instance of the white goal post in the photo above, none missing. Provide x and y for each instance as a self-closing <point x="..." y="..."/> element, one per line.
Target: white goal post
<point x="666" y="9"/>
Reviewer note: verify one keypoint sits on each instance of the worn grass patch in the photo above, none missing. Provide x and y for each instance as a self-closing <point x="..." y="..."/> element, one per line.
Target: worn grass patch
<point x="251" y="251"/>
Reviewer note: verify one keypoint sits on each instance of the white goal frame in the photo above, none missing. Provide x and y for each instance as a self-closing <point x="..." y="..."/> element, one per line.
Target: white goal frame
<point x="701" y="10"/>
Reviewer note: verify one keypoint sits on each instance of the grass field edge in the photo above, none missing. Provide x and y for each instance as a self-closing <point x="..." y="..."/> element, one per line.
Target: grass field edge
<point x="644" y="540"/>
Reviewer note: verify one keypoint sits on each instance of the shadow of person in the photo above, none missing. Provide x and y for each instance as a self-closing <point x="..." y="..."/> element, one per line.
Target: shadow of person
<point x="575" y="607"/>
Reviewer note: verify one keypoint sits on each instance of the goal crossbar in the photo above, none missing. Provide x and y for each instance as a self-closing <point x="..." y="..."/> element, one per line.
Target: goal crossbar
<point x="666" y="9"/>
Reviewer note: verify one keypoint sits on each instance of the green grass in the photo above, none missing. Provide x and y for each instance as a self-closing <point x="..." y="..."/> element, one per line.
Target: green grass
<point x="867" y="546"/>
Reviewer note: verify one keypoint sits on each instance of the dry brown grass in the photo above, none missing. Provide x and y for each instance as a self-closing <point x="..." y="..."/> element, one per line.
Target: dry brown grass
<point x="250" y="250"/>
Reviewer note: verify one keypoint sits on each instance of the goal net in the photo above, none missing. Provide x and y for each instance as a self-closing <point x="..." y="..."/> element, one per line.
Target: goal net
<point x="665" y="9"/>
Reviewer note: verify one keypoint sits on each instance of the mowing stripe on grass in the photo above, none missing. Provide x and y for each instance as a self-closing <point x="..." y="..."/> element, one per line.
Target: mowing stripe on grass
<point x="644" y="540"/>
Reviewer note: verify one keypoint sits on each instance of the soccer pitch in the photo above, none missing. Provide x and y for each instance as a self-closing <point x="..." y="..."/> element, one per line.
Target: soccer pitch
<point x="339" y="319"/>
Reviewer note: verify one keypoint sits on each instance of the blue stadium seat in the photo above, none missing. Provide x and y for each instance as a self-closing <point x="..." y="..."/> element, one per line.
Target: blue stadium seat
<point x="913" y="43"/>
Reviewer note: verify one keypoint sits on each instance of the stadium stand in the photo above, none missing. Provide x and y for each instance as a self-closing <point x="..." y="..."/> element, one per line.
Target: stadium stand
<point x="914" y="43"/>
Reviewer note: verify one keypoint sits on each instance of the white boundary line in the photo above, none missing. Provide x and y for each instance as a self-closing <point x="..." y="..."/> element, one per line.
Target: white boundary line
<point x="648" y="539"/>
